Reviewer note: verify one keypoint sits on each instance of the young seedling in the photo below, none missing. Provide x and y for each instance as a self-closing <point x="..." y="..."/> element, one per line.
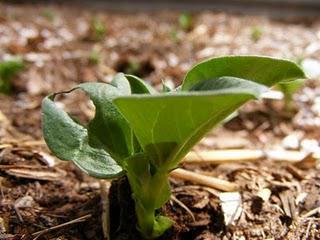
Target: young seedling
<point x="97" y="29"/>
<point x="256" y="33"/>
<point x="144" y="134"/>
<point x="7" y="71"/>
<point x="185" y="21"/>
<point x="49" y="14"/>
<point x="134" y="66"/>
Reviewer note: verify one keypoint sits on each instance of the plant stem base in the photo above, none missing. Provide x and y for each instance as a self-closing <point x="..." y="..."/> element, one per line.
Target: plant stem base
<point x="122" y="212"/>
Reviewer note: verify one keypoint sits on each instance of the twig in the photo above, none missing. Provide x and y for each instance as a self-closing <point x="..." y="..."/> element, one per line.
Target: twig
<point x="224" y="156"/>
<point x="4" y="167"/>
<point x="77" y="220"/>
<point x="244" y="155"/>
<point x="308" y="229"/>
<point x="105" y="216"/>
<point x="5" y="145"/>
<point x="32" y="143"/>
<point x="16" y="209"/>
<point x="181" y="204"/>
<point x="212" y="191"/>
<point x="312" y="212"/>
<point x="1" y="189"/>
<point x="28" y="143"/>
<point x="204" y="180"/>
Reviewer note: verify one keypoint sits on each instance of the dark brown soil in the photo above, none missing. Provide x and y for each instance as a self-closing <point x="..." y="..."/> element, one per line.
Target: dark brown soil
<point x="40" y="200"/>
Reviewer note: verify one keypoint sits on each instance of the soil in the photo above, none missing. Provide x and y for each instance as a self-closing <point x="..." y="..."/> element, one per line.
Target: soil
<point x="44" y="198"/>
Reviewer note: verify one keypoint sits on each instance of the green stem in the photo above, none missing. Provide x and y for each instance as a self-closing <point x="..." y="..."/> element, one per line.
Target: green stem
<point x="146" y="220"/>
<point x="150" y="192"/>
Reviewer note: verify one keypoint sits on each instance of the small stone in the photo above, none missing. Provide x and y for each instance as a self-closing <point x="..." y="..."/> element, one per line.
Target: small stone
<point x="311" y="67"/>
<point x="292" y="141"/>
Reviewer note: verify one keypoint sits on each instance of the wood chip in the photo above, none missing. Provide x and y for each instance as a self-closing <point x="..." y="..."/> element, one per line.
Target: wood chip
<point x="46" y="158"/>
<point x="288" y="203"/>
<point x="3" y="226"/>
<point x="307" y="162"/>
<point x="297" y="173"/>
<point x="264" y="194"/>
<point x="37" y="174"/>
<point x="3" y="146"/>
<point x="105" y="215"/>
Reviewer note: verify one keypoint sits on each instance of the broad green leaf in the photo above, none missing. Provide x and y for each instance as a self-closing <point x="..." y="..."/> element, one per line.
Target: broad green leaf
<point x="121" y="83"/>
<point x="230" y="84"/>
<point x="167" y="126"/>
<point x="264" y="70"/>
<point x="68" y="140"/>
<point x="108" y="128"/>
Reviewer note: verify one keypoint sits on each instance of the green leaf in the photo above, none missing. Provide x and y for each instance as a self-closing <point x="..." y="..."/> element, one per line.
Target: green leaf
<point x="168" y="125"/>
<point x="122" y="84"/>
<point x="68" y="140"/>
<point x="162" y="223"/>
<point x="165" y="87"/>
<point x="108" y="128"/>
<point x="138" y="86"/>
<point x="264" y="70"/>
<point x="290" y="88"/>
<point x="230" y="84"/>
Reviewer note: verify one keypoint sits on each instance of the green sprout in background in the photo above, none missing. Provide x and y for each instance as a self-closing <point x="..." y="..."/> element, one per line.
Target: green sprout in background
<point x="49" y="14"/>
<point x="256" y="33"/>
<point x="8" y="69"/>
<point x="184" y="24"/>
<point x="134" y="66"/>
<point x="185" y="21"/>
<point x="98" y="29"/>
<point x="143" y="134"/>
